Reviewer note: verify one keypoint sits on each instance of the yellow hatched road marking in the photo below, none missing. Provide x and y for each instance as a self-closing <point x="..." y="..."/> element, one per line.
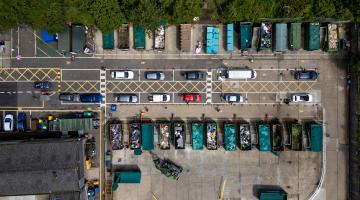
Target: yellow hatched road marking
<point x="264" y="86"/>
<point x="155" y="86"/>
<point x="28" y="74"/>
<point x="80" y="86"/>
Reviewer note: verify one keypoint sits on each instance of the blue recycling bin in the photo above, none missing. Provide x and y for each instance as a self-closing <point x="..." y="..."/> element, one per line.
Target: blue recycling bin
<point x="113" y="108"/>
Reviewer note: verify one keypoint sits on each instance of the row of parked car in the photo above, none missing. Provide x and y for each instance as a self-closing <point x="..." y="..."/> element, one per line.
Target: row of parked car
<point x="232" y="74"/>
<point x="9" y="122"/>
<point x="154" y="75"/>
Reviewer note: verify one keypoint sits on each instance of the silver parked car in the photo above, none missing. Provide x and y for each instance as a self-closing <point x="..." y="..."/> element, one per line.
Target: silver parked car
<point x="126" y="98"/>
<point x="155" y="75"/>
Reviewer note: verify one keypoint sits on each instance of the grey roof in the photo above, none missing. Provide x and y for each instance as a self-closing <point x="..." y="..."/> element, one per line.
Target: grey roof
<point x="42" y="166"/>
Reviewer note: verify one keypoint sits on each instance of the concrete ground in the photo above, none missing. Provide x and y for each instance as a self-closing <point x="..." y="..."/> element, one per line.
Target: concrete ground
<point x="296" y="172"/>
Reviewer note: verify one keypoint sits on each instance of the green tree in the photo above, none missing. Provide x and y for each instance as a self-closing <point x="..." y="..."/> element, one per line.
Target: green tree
<point x="294" y="8"/>
<point x="54" y="17"/>
<point x="77" y="12"/>
<point x="107" y="14"/>
<point x="249" y="10"/>
<point x="184" y="11"/>
<point x="147" y="13"/>
<point x="324" y="8"/>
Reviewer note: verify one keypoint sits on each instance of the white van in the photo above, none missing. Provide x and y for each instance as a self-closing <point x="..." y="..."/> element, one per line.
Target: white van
<point x="238" y="74"/>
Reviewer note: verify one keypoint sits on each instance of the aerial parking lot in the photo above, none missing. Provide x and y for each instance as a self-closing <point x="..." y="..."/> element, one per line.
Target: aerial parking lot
<point x="189" y="75"/>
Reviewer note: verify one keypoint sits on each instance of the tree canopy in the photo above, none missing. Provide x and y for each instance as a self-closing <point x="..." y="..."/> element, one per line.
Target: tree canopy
<point x="107" y="15"/>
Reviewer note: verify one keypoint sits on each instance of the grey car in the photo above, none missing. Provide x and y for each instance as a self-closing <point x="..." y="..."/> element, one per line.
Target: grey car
<point x="69" y="97"/>
<point x="126" y="98"/>
<point x="155" y="75"/>
<point x="194" y="75"/>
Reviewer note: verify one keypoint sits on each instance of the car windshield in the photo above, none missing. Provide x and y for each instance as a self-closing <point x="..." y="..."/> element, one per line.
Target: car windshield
<point x="232" y="98"/>
<point x="304" y="97"/>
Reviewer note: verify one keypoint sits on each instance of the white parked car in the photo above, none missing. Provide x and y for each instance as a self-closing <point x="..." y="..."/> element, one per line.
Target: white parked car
<point x="301" y="97"/>
<point x="122" y="74"/>
<point x="158" y="98"/>
<point x="9" y="122"/>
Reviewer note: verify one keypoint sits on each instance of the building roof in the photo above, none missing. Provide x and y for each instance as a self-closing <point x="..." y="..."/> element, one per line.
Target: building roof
<point x="41" y="166"/>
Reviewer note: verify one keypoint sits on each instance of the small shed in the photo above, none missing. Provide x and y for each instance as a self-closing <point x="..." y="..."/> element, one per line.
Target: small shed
<point x="185" y="37"/>
<point x="78" y="38"/>
<point x="139" y="37"/>
<point x="123" y="37"/>
<point x="230" y="37"/>
<point x="312" y="40"/>
<point x="295" y="36"/>
<point x="64" y="40"/>
<point x="108" y="40"/>
<point x="280" y="37"/>
<point x="245" y="36"/>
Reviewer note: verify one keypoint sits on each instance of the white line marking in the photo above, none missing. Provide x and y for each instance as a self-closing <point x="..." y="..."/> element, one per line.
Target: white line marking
<point x="139" y="74"/>
<point x="35" y="42"/>
<point x="173" y="73"/>
<point x="43" y="52"/>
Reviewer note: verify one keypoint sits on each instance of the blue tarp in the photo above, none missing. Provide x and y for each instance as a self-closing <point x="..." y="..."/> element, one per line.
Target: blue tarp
<point x="230" y="37"/>
<point x="47" y="37"/>
<point x="212" y="40"/>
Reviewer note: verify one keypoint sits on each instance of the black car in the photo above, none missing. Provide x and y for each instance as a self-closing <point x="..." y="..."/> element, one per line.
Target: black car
<point x="306" y="75"/>
<point x="194" y="75"/>
<point x="42" y="85"/>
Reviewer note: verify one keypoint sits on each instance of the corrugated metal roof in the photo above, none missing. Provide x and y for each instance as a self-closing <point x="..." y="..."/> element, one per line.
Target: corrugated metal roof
<point x="281" y="37"/>
<point x="295" y="36"/>
<point x="316" y="137"/>
<point x="245" y="36"/>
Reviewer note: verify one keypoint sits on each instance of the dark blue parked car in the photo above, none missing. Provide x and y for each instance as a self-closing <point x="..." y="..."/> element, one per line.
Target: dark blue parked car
<point x="306" y="75"/>
<point x="21" y="122"/>
<point x="91" y="98"/>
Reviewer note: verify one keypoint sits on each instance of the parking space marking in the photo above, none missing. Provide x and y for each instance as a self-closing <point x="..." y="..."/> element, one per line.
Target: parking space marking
<point x="80" y="86"/>
<point x="28" y="74"/>
<point x="262" y="86"/>
<point x="156" y="86"/>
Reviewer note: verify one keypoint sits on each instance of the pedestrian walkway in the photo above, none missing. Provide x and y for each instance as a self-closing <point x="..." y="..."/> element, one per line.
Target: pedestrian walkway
<point x="208" y="86"/>
<point x="103" y="86"/>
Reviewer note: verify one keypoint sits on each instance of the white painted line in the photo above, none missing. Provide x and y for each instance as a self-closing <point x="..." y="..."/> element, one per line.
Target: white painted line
<point x="173" y="73"/>
<point x="35" y="47"/>
<point x="173" y="96"/>
<point x="43" y="52"/>
<point x="139" y="74"/>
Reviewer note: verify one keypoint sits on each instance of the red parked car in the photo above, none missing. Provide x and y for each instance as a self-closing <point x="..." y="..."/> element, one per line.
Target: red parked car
<point x="189" y="97"/>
